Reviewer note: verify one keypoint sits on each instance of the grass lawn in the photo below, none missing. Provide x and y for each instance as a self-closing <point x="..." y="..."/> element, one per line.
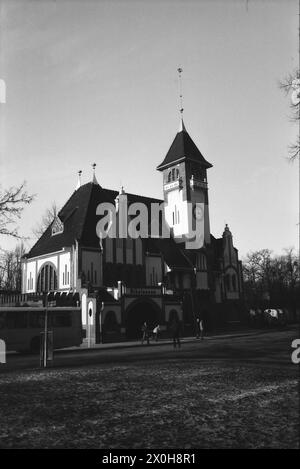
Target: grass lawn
<point x="174" y="402"/>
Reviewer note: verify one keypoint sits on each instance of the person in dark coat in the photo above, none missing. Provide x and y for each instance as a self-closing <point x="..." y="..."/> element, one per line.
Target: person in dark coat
<point x="145" y="331"/>
<point x="176" y="330"/>
<point x="200" y="328"/>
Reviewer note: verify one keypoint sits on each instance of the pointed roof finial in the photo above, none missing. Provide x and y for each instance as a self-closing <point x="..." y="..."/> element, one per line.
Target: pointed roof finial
<point x="79" y="180"/>
<point x="94" y="176"/>
<point x="179" y="70"/>
<point x="227" y="231"/>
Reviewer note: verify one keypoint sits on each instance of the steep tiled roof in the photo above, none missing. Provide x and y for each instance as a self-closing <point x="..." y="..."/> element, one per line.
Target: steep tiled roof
<point x="79" y="218"/>
<point x="183" y="148"/>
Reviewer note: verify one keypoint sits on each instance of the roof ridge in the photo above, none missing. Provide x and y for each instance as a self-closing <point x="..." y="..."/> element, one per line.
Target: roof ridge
<point x="86" y="208"/>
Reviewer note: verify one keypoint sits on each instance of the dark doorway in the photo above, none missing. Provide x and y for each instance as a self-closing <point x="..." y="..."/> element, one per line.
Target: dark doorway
<point x="173" y="317"/>
<point x="140" y="312"/>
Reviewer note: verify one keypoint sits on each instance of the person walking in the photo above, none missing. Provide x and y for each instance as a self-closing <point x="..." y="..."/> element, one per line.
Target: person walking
<point x="155" y="332"/>
<point x="200" y="328"/>
<point x="175" y="329"/>
<point x="145" y="333"/>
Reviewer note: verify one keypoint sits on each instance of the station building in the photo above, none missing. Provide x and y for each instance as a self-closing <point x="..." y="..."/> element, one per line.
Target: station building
<point x="124" y="281"/>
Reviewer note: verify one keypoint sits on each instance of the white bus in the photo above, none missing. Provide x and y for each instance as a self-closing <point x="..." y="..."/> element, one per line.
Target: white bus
<point x="20" y="327"/>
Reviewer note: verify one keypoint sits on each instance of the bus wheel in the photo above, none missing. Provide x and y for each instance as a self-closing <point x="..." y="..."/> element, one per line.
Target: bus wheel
<point x="35" y="345"/>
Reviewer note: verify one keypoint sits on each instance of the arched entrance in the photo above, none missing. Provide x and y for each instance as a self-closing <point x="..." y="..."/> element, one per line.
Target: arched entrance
<point x="142" y="310"/>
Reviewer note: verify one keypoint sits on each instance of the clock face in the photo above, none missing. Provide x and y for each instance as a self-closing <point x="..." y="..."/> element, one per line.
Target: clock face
<point x="198" y="212"/>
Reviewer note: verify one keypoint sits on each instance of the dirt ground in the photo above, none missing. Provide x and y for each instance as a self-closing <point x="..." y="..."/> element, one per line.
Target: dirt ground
<point x="239" y="392"/>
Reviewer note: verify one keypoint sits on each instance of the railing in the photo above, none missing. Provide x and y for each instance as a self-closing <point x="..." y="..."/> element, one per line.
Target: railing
<point x="38" y="299"/>
<point x="173" y="185"/>
<point x="14" y="299"/>
<point x="194" y="183"/>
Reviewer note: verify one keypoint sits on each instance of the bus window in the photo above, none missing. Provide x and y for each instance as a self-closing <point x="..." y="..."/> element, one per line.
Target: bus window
<point x="37" y="319"/>
<point x="62" y="319"/>
<point x="16" y="320"/>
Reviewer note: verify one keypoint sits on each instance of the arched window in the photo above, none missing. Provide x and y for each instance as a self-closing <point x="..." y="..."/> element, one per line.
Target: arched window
<point x="170" y="176"/>
<point x="177" y="173"/>
<point x="173" y="174"/>
<point x="47" y="278"/>
<point x="233" y="280"/>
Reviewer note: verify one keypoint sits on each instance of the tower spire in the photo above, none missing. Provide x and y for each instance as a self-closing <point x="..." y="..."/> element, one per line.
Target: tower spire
<point x="94" y="181"/>
<point x="79" y="180"/>
<point x="181" y="108"/>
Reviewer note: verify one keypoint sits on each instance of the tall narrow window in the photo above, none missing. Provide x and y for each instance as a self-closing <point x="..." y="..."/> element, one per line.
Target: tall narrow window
<point x="227" y="282"/>
<point x="46" y="274"/>
<point x="233" y="279"/>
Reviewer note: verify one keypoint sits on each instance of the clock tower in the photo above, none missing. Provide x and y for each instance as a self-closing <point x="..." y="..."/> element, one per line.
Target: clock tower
<point x="186" y="191"/>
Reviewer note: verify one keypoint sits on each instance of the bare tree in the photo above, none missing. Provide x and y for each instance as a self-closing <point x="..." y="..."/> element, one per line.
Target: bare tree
<point x="12" y="203"/>
<point x="276" y="278"/>
<point x="291" y="86"/>
<point x="11" y="268"/>
<point x="47" y="219"/>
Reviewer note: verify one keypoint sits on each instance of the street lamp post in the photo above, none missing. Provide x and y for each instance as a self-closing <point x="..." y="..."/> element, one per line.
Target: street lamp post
<point x="194" y="284"/>
<point x="100" y="322"/>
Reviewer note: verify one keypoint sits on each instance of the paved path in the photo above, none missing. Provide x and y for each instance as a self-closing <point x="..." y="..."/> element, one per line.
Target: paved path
<point x="137" y="343"/>
<point x="264" y="347"/>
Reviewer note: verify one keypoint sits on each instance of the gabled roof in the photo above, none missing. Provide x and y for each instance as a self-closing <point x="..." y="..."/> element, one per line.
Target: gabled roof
<point x="183" y="148"/>
<point x="73" y="215"/>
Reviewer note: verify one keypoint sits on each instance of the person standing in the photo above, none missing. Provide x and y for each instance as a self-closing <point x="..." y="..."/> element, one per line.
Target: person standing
<point x="200" y="329"/>
<point x="175" y="329"/>
<point x="145" y="333"/>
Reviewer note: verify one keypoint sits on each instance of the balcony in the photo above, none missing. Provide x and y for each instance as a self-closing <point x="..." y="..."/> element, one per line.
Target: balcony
<point x="169" y="186"/>
<point x="197" y="183"/>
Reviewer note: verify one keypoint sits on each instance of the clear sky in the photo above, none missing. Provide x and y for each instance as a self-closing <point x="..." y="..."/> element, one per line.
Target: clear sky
<point x="96" y="81"/>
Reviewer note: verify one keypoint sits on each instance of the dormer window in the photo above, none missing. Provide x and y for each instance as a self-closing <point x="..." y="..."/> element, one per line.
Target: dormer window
<point x="57" y="226"/>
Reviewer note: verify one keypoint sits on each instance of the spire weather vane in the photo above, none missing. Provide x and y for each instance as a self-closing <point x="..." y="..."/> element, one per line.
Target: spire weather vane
<point x="179" y="70"/>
